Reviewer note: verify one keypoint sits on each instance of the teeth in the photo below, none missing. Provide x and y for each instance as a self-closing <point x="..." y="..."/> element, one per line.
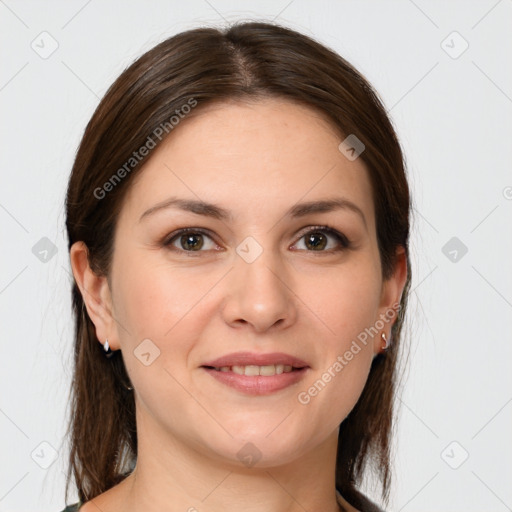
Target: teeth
<point x="253" y="370"/>
<point x="238" y="369"/>
<point x="267" y="370"/>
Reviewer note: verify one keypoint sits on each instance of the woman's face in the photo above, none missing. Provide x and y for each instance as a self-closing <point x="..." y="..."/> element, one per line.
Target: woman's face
<point x="257" y="273"/>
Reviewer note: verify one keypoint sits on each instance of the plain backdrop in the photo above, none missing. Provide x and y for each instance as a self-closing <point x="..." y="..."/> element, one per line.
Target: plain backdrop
<point x="444" y="72"/>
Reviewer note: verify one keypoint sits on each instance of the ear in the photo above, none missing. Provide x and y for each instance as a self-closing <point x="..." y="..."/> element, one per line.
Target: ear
<point x="391" y="293"/>
<point x="96" y="295"/>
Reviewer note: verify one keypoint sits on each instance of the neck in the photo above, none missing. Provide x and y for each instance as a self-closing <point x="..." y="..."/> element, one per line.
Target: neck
<point x="173" y="473"/>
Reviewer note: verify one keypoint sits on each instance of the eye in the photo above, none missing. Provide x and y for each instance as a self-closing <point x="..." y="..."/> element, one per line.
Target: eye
<point x="323" y="239"/>
<point x="190" y="240"/>
<point x="320" y="239"/>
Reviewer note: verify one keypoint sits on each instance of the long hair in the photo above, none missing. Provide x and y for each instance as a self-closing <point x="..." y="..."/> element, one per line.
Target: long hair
<point x="198" y="67"/>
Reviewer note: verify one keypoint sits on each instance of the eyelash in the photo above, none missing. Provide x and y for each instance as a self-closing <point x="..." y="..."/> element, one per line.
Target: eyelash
<point x="341" y="238"/>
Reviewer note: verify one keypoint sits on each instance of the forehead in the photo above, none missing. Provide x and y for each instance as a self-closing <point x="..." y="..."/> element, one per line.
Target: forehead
<point x="249" y="157"/>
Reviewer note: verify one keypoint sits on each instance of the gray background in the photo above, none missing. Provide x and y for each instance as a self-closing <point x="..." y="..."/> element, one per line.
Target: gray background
<point x="452" y="109"/>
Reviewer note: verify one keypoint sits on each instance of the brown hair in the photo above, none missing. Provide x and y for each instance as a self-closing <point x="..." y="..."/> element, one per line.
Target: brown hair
<point x="247" y="60"/>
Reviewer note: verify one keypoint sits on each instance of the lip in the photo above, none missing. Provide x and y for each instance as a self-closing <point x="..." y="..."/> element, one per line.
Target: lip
<point x="259" y="384"/>
<point x="253" y="358"/>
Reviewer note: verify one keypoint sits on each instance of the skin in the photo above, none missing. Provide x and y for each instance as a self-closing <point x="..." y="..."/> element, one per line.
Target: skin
<point x="256" y="160"/>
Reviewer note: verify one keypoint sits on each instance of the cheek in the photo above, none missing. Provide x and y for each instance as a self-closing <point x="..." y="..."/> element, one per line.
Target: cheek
<point x="157" y="302"/>
<point x="346" y="303"/>
<point x="153" y="297"/>
<point x="345" y="299"/>
<point x="169" y="306"/>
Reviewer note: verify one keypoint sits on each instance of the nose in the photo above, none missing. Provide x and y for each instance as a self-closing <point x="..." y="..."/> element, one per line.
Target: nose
<point x="260" y="294"/>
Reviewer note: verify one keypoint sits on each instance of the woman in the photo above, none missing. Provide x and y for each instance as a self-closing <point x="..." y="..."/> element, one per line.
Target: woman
<point x="238" y="223"/>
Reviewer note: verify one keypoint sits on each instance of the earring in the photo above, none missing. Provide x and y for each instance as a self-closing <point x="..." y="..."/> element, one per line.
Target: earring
<point x="385" y="345"/>
<point x="107" y="349"/>
<point x="110" y="353"/>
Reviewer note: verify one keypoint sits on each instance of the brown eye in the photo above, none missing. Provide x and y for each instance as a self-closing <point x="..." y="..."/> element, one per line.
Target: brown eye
<point x="316" y="241"/>
<point x="189" y="240"/>
<point x="323" y="239"/>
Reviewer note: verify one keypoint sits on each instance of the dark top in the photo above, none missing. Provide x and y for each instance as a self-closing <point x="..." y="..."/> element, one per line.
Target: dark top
<point x="72" y="508"/>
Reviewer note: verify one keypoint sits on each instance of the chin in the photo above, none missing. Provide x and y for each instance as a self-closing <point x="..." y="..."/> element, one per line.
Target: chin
<point x="260" y="451"/>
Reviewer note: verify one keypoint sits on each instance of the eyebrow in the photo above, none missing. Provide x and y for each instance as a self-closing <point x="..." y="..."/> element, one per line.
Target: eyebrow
<point x="217" y="212"/>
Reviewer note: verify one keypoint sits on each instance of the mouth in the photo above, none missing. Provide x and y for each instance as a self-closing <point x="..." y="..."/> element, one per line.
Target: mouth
<point x="257" y="374"/>
<point x="253" y="370"/>
<point x="275" y="362"/>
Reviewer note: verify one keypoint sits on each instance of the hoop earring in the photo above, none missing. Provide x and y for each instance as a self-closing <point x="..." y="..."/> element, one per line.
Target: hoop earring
<point x="107" y="349"/>
<point x="385" y="345"/>
<point x="110" y="353"/>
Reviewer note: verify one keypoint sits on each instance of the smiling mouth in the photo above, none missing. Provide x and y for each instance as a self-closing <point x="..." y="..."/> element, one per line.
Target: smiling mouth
<point x="255" y="370"/>
<point x="255" y="379"/>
